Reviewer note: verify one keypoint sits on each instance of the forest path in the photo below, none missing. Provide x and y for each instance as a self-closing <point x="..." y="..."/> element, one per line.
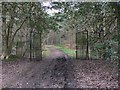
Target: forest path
<point x="48" y="73"/>
<point x="57" y="72"/>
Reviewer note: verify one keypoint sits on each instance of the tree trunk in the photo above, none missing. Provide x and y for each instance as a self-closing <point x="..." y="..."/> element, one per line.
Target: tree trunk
<point x="40" y="34"/>
<point x="6" y="49"/>
<point x="31" y="44"/>
<point x="3" y="27"/>
<point x="17" y="48"/>
<point x="87" y="47"/>
<point x="7" y="30"/>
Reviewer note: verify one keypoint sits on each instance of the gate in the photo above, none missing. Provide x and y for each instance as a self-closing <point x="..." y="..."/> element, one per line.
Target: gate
<point x="84" y="49"/>
<point x="35" y="45"/>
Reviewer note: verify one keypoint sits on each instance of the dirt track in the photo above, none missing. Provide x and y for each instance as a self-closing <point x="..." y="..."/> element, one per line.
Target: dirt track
<point x="56" y="72"/>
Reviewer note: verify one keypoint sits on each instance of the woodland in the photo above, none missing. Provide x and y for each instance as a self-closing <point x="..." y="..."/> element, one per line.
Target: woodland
<point x="61" y="39"/>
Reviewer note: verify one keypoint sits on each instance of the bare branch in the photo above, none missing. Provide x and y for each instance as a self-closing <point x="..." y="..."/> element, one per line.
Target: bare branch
<point x="17" y="30"/>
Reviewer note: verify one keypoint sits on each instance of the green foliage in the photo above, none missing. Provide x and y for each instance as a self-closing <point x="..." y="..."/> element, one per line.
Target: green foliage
<point x="12" y="58"/>
<point x="99" y="19"/>
<point x="108" y="48"/>
<point x="67" y="51"/>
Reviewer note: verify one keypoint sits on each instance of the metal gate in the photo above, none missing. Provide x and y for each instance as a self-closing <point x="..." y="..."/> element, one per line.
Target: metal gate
<point x="35" y="48"/>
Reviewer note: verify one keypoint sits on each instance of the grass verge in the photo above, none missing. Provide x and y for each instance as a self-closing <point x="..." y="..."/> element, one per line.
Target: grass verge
<point x="70" y="52"/>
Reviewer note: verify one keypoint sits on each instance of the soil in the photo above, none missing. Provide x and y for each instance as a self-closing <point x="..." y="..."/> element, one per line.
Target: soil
<point x="56" y="71"/>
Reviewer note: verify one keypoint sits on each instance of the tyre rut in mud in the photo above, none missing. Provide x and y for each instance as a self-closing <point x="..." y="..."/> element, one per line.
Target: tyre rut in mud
<point x="61" y="70"/>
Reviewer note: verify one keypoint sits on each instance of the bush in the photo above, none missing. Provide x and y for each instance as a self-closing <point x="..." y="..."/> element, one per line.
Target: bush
<point x="12" y="58"/>
<point x="108" y="48"/>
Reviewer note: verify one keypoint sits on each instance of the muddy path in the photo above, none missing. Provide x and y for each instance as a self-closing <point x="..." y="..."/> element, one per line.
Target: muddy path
<point x="48" y="73"/>
<point x="58" y="72"/>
